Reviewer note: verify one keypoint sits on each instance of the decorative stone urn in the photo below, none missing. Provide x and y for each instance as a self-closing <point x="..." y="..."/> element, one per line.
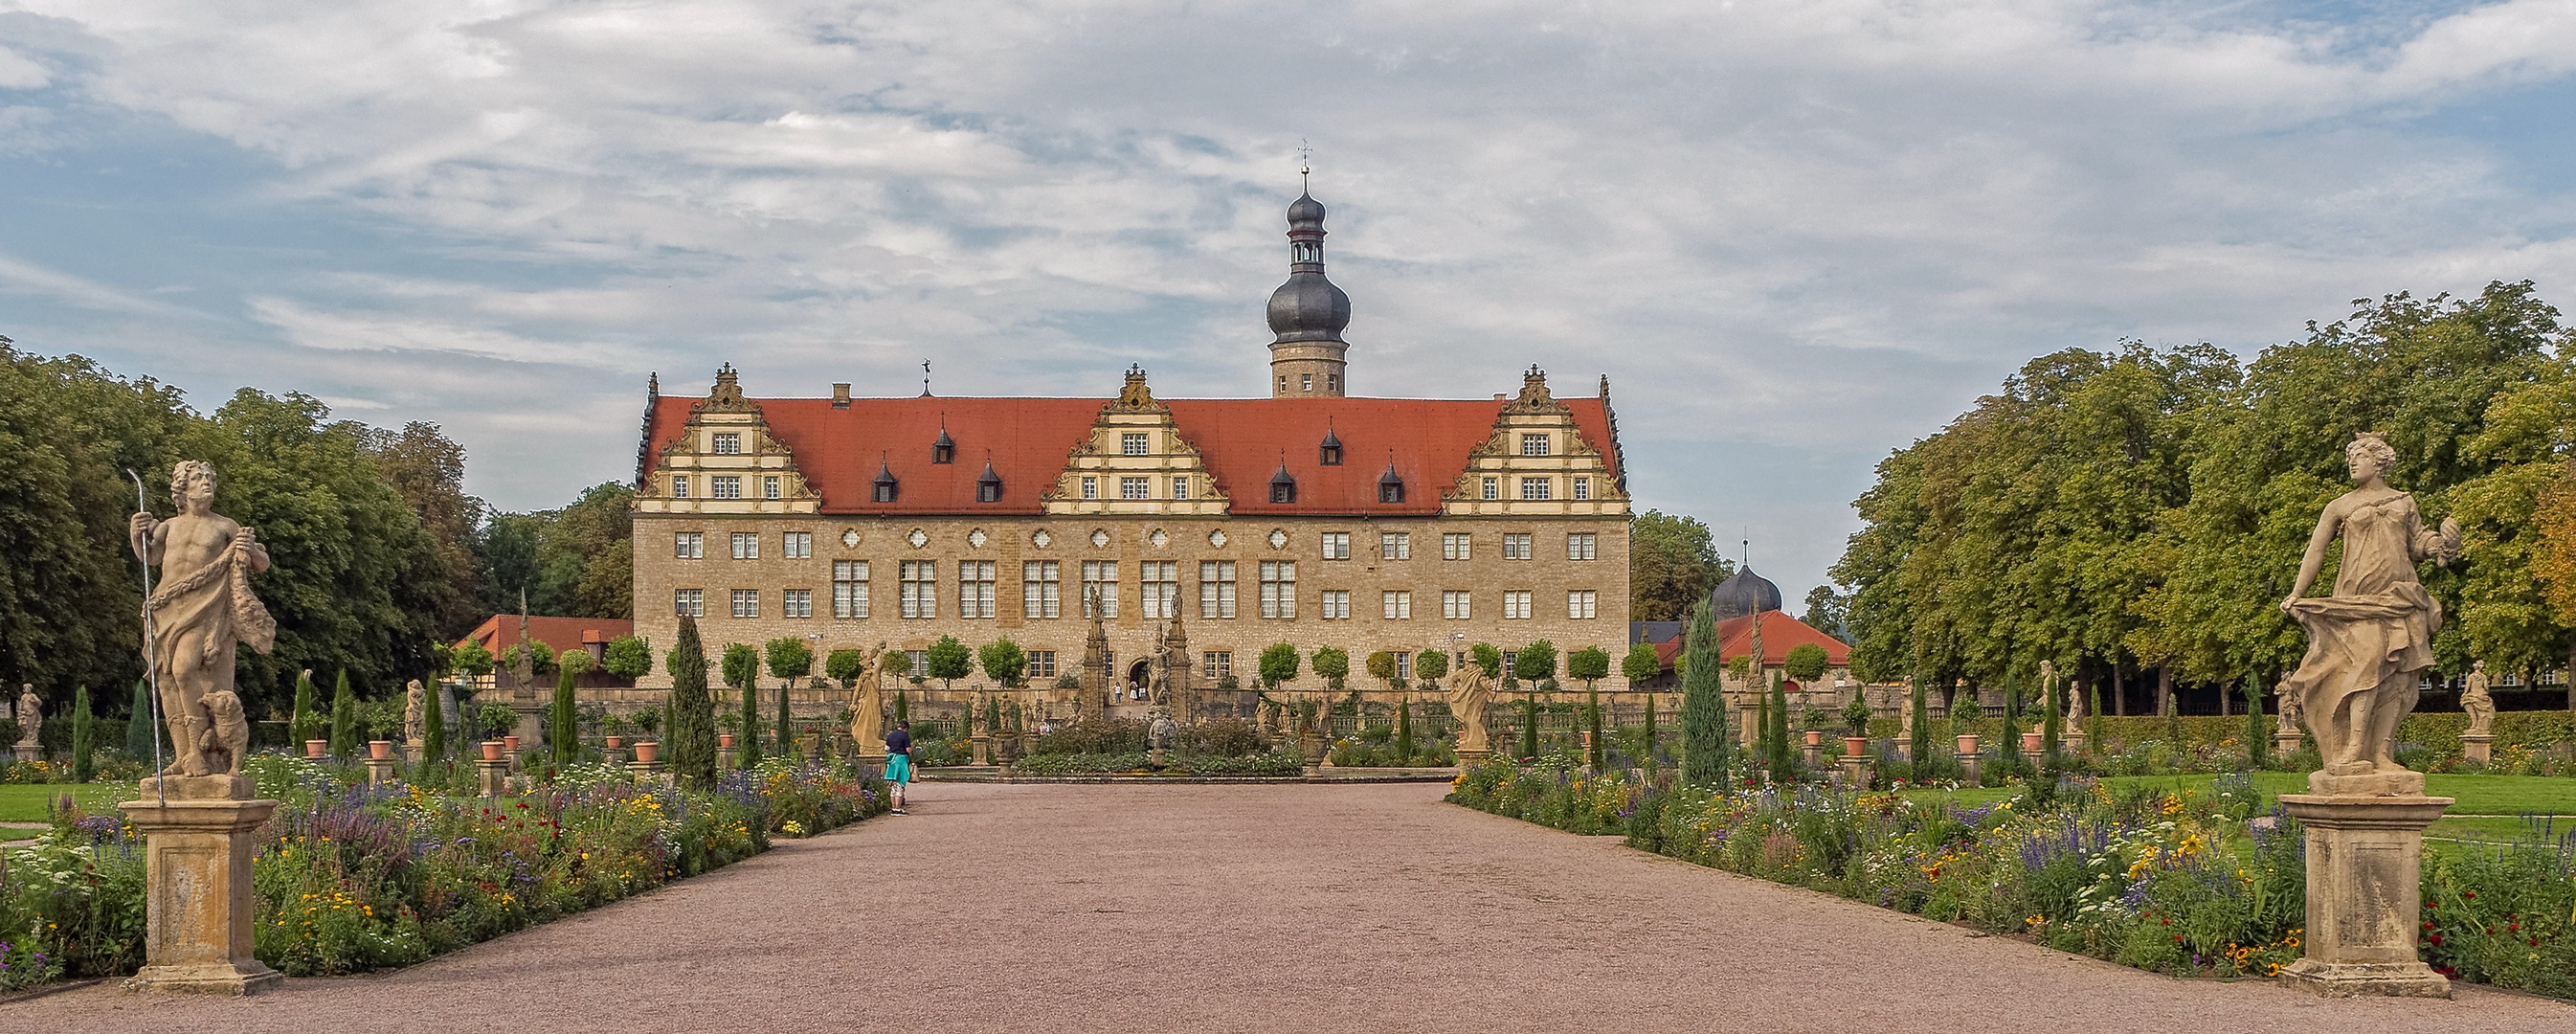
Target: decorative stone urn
<point x="2033" y="742"/>
<point x="491" y="750"/>
<point x="1967" y="743"/>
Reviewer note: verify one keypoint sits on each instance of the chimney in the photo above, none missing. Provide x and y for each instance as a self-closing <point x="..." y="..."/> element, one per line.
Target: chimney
<point x="840" y="396"/>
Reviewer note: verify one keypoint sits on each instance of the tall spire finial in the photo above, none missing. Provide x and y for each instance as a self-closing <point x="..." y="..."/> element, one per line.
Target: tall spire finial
<point x="925" y="377"/>
<point x="1305" y="164"/>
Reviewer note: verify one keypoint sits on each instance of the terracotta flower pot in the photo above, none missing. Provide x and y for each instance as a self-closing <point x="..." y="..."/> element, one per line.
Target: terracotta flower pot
<point x="615" y="742"/>
<point x="491" y="750"/>
<point x="724" y="739"/>
<point x="648" y="751"/>
<point x="1855" y="746"/>
<point x="1967" y="743"/>
<point x="314" y="748"/>
<point x="1815" y="737"/>
<point x="380" y="749"/>
<point x="510" y="743"/>
<point x="2031" y="742"/>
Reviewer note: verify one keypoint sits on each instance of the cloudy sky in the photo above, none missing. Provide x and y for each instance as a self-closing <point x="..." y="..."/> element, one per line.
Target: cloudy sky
<point x="1795" y="234"/>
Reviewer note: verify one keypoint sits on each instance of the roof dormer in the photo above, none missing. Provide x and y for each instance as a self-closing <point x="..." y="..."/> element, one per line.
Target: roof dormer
<point x="944" y="450"/>
<point x="1330" y="452"/>
<point x="884" y="488"/>
<point x="1283" y="485"/>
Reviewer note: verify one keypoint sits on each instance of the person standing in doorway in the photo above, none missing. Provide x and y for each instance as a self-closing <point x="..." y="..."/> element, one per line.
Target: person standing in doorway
<point x="898" y="770"/>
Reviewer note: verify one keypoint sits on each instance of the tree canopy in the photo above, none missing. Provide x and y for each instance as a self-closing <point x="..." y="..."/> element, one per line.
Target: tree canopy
<point x="1672" y="564"/>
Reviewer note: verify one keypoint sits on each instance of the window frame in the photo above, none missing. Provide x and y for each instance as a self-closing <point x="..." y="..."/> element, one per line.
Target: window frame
<point x="849" y="595"/>
<point x="1041" y="589"/>
<point x="1278" y="582"/>
<point x="1217" y="589"/>
<point x="917" y="589"/>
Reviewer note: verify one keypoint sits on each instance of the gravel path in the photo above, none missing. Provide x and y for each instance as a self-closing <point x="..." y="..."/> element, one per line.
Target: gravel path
<point x="999" y="909"/>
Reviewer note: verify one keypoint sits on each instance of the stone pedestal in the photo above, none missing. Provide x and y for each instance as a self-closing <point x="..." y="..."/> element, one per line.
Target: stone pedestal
<point x="872" y="762"/>
<point x="2365" y="856"/>
<point x="1813" y="754"/>
<point x="1154" y="756"/>
<point x="1975" y="776"/>
<point x="1856" y="772"/>
<point x="28" y="752"/>
<point x="493" y="776"/>
<point x="983" y="749"/>
<point x="727" y="758"/>
<point x="380" y="771"/>
<point x="646" y="771"/>
<point x="1471" y="758"/>
<point x="198" y="900"/>
<point x="414" y="750"/>
<point x="2477" y="747"/>
<point x="2285" y="744"/>
<point x="2070" y="741"/>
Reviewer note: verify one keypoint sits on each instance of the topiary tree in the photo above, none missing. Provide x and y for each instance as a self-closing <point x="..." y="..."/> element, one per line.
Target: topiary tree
<point x="1806" y="662"/>
<point x="344" y="718"/>
<point x="1381" y="666"/>
<point x="787" y="745"/>
<point x="473" y="659"/>
<point x="302" y="723"/>
<point x="1278" y="664"/>
<point x="1704" y="741"/>
<point x="84" y="737"/>
<point x="1487" y="657"/>
<point x="692" y="712"/>
<point x="1640" y="664"/>
<point x="741" y="666"/>
<point x="1431" y="666"/>
<point x="628" y="657"/>
<point x="1535" y="661"/>
<point x="1004" y="662"/>
<point x="950" y="660"/>
<point x="1334" y="664"/>
<point x="140" y="734"/>
<point x="1590" y="664"/>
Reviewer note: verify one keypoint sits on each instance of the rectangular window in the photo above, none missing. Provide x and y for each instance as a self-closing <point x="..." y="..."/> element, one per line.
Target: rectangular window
<point x="1403" y="664"/>
<point x="1180" y="488"/>
<point x="1516" y="604"/>
<point x="1516" y="547"/>
<point x="1041" y="664"/>
<point x="1398" y="604"/>
<point x="1337" y="604"/>
<point x="727" y="443"/>
<point x="1582" y="487"/>
<point x="1337" y="545"/>
<point x="1135" y="443"/>
<point x="1581" y="603"/>
<point x="1579" y="546"/>
<point x="1537" y="488"/>
<point x="746" y="603"/>
<point x="849" y="588"/>
<point x="1453" y="545"/>
<point x="796" y="545"/>
<point x="1533" y="444"/>
<point x="689" y="603"/>
<point x="1158" y="588"/>
<point x="1091" y="488"/>
<point x="1508" y="657"/>
<point x="1216" y="664"/>
<point x="920" y="668"/>
<point x="1305" y="382"/>
<point x="1100" y="588"/>
<point x="1453" y="605"/>
<point x="796" y="603"/>
<point x="679" y="486"/>
<point x="918" y="580"/>
<point x="1216" y="588"/>
<point x="974" y="588"/>
<point x="769" y="486"/>
<point x="690" y="545"/>
<point x="1278" y="588"/>
<point x="746" y="545"/>
<point x="725" y="486"/>
<point x="1493" y="488"/>
<point x="1394" y="545"/>
<point x="1135" y="488"/>
<point x="1041" y="589"/>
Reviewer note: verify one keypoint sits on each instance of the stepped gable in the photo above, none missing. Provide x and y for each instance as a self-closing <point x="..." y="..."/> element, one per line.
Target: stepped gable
<point x="837" y="450"/>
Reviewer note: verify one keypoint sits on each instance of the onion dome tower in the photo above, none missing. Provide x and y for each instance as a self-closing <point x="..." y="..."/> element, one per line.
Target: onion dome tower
<point x="1744" y="593"/>
<point x="1307" y="313"/>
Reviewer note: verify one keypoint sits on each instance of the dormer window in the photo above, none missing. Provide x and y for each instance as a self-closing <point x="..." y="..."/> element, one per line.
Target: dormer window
<point x="885" y="487"/>
<point x="1283" y="488"/>
<point x="725" y="443"/>
<point x="945" y="449"/>
<point x="1330" y="454"/>
<point x="988" y="488"/>
<point x="1390" y="487"/>
<point x="1135" y="443"/>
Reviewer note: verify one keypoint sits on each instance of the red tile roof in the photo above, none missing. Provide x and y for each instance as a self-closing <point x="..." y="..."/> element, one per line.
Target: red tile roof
<point x="1780" y="634"/>
<point x="1028" y="440"/>
<point x="501" y="632"/>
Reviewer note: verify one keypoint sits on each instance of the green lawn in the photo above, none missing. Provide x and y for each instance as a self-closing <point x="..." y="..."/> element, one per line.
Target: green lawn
<point x="28" y="802"/>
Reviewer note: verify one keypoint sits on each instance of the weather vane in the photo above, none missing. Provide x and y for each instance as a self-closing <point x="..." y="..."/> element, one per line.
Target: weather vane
<point x="925" y="376"/>
<point x="1304" y="166"/>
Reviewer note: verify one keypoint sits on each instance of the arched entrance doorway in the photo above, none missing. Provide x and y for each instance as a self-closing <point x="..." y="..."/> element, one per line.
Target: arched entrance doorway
<point x="1139" y="674"/>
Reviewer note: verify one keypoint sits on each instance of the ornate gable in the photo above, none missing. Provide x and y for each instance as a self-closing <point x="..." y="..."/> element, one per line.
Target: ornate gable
<point x="1135" y="461"/>
<point x="726" y="461"/>
<point x="1537" y="462"/>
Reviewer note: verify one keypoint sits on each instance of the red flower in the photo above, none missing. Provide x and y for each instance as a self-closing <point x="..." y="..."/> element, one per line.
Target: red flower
<point x="2468" y="893"/>
<point x="2437" y="940"/>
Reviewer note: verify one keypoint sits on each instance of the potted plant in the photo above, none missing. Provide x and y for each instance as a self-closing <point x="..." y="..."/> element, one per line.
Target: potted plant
<point x="1967" y="743"/>
<point x="314" y="748"/>
<point x="647" y="751"/>
<point x="614" y="726"/>
<point x="491" y="750"/>
<point x="380" y="749"/>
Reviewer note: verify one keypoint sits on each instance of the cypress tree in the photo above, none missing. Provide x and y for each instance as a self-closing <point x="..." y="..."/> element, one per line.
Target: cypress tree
<point x="1918" y="745"/>
<point x="1650" y="731"/>
<point x="434" y="725"/>
<point x="749" y="744"/>
<point x="691" y="711"/>
<point x="2257" y="745"/>
<point x="1592" y="719"/>
<point x="902" y="705"/>
<point x="2012" y="723"/>
<point x="1784" y="759"/>
<point x="561" y="733"/>
<point x="304" y="724"/>
<point x="84" y="737"/>
<point x="140" y="733"/>
<point x="1704" y="744"/>
<point x="1761" y="731"/>
<point x="1529" y="726"/>
<point x="1404" y="732"/>
<point x="344" y="718"/>
<point x="787" y="746"/>
<point x="2052" y="728"/>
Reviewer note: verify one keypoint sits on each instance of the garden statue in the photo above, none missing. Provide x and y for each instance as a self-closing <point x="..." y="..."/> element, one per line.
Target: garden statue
<point x="1469" y="690"/>
<point x="415" y="715"/>
<point x="31" y="715"/>
<point x="2289" y="723"/>
<point x="2474" y="700"/>
<point x="227" y="738"/>
<point x="201" y="608"/>
<point x="2369" y="642"/>
<point x="2368" y="646"/>
<point x="1161" y="734"/>
<point x="867" y="702"/>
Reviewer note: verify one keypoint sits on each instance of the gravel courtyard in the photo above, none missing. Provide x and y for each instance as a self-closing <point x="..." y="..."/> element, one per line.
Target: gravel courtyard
<point x="998" y="909"/>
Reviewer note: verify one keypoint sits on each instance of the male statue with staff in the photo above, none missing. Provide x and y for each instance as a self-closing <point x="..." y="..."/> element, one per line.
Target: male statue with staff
<point x="202" y="606"/>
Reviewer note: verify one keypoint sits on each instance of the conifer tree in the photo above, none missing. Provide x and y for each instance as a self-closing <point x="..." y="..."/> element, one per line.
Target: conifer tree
<point x="2012" y="723"/>
<point x="1704" y="742"/>
<point x="691" y="711"/>
<point x="140" y="733"/>
<point x="561" y="732"/>
<point x="1784" y="759"/>
<point x="1592" y="721"/>
<point x="84" y="737"/>
<point x="2052" y="729"/>
<point x="1403" y="732"/>
<point x="434" y="726"/>
<point x="344" y="718"/>
<point x="1650" y="730"/>
<point x="1761" y="731"/>
<point x="303" y="723"/>
<point x="787" y="745"/>
<point x="2257" y="743"/>
<point x="1918" y="745"/>
<point x="742" y="672"/>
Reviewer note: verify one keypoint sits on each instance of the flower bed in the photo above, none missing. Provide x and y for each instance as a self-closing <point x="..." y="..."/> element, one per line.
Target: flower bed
<point x="352" y="878"/>
<point x="2190" y="883"/>
<point x="1178" y="764"/>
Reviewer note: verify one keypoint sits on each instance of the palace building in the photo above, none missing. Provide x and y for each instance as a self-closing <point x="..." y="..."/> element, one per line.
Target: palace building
<point x="1310" y="517"/>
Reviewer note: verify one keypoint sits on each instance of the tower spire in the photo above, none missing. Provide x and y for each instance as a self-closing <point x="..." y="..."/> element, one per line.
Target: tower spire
<point x="1308" y="312"/>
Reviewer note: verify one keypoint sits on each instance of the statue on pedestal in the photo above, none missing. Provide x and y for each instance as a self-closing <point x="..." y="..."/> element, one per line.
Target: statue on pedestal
<point x="415" y="716"/>
<point x="2475" y="700"/>
<point x="202" y="607"/>
<point x="867" y="702"/>
<point x="31" y="715"/>
<point x="1470" y="689"/>
<point x="2288" y="723"/>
